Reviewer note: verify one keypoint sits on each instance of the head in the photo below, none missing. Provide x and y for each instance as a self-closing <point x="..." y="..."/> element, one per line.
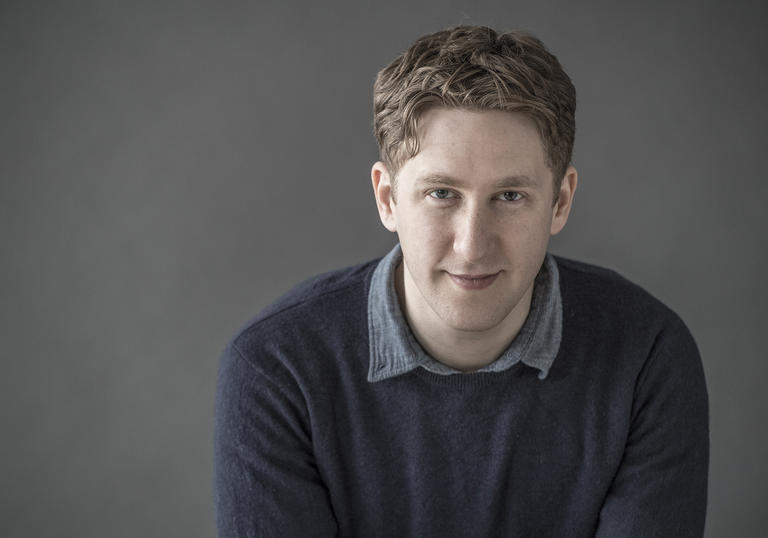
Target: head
<point x="476" y="131"/>
<point x="474" y="68"/>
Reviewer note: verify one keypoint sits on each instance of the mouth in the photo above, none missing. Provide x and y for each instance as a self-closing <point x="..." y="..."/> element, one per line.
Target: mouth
<point x="474" y="282"/>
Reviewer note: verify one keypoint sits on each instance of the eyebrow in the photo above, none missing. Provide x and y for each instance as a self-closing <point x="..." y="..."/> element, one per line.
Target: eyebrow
<point x="505" y="182"/>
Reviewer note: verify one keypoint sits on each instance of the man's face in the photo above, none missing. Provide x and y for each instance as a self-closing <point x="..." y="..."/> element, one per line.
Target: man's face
<point x="474" y="212"/>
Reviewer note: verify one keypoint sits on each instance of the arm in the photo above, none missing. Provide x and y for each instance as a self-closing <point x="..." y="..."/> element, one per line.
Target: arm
<point x="265" y="479"/>
<point x="660" y="488"/>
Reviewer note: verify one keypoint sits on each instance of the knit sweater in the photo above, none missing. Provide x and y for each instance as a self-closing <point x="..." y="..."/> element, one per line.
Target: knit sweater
<point x="613" y="442"/>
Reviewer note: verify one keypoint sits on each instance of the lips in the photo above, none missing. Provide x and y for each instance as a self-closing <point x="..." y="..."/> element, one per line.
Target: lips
<point x="474" y="282"/>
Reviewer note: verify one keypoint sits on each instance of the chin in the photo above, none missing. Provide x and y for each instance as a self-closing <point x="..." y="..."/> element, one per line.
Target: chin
<point x="473" y="322"/>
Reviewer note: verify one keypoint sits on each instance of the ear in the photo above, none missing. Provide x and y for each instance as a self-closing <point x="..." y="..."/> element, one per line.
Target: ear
<point x="564" y="200"/>
<point x="385" y="200"/>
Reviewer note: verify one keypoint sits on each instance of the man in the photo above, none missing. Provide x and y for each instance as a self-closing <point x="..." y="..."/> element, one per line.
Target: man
<point x="468" y="383"/>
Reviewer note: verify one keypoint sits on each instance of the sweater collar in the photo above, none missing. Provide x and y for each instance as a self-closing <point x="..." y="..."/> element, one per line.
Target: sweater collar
<point x="395" y="351"/>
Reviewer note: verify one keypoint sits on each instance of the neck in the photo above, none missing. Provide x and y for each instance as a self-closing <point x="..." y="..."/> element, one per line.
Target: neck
<point x="463" y="350"/>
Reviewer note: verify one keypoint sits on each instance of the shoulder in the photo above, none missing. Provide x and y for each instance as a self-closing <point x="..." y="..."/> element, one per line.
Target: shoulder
<point x="607" y="312"/>
<point x="588" y="287"/>
<point x="310" y="316"/>
<point x="615" y="330"/>
<point x="338" y="285"/>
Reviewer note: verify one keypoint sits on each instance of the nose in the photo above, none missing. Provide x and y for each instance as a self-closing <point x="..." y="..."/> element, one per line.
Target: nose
<point x="473" y="233"/>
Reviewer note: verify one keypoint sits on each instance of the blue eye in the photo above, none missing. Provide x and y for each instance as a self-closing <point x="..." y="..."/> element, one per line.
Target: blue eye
<point x="511" y="196"/>
<point x="440" y="194"/>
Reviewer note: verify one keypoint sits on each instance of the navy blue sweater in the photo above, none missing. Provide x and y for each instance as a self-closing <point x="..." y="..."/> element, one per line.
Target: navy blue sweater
<point x="614" y="442"/>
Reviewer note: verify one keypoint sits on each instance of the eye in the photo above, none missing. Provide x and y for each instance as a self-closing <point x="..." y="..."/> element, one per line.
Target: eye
<point x="441" y="194"/>
<point x="511" y="196"/>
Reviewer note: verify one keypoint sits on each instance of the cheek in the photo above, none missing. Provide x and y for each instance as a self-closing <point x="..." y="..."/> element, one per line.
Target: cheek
<point x="424" y="226"/>
<point x="525" y="237"/>
<point x="431" y="243"/>
<point x="426" y="243"/>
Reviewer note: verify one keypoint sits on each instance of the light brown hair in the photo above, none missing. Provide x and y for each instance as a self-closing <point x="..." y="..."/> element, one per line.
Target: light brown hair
<point x="474" y="67"/>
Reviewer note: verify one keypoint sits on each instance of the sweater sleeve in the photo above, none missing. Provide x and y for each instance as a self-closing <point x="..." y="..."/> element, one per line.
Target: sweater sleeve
<point x="660" y="488"/>
<point x="265" y="480"/>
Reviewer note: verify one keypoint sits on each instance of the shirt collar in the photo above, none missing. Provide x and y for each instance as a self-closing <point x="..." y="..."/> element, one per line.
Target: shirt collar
<point x="395" y="351"/>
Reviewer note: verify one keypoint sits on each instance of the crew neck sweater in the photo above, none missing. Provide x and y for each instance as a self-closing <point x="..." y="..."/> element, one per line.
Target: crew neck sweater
<point x="613" y="442"/>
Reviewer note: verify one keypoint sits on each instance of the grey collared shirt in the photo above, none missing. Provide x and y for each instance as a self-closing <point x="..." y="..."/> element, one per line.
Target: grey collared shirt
<point x="395" y="351"/>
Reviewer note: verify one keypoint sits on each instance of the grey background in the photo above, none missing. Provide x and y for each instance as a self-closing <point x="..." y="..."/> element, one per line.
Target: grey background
<point x="167" y="169"/>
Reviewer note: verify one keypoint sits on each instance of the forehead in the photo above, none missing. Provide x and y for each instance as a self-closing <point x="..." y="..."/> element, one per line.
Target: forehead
<point x="477" y="144"/>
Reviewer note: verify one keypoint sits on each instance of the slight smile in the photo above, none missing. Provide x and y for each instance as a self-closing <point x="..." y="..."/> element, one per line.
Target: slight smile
<point x="474" y="282"/>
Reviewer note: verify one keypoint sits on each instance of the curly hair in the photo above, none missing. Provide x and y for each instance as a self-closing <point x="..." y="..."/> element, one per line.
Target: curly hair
<point x="474" y="67"/>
